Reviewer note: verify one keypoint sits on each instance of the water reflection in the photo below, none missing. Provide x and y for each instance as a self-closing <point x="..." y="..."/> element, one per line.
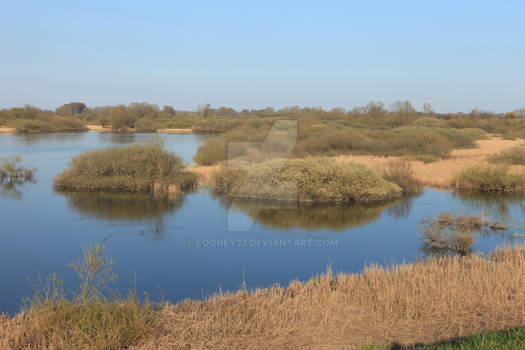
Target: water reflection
<point x="125" y="208"/>
<point x="13" y="189"/>
<point x="495" y="205"/>
<point x="316" y="216"/>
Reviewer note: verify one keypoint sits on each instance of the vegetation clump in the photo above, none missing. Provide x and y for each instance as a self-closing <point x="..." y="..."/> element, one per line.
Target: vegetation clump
<point x="11" y="170"/>
<point x="456" y="234"/>
<point x="146" y="167"/>
<point x="513" y="156"/>
<point x="91" y="317"/>
<point x="433" y="299"/>
<point x="489" y="179"/>
<point x="400" y="172"/>
<point x="306" y="180"/>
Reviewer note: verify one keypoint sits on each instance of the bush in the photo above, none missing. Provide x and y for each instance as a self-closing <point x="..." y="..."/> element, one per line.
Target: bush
<point x="146" y="125"/>
<point x="451" y="233"/>
<point x="89" y="319"/>
<point x="53" y="124"/>
<point x="489" y="179"/>
<point x="513" y="156"/>
<point x="11" y="170"/>
<point x="145" y="167"/>
<point x="400" y="172"/>
<point x="306" y="180"/>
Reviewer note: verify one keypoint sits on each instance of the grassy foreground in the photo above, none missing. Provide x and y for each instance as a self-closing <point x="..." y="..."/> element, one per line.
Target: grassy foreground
<point x="427" y="302"/>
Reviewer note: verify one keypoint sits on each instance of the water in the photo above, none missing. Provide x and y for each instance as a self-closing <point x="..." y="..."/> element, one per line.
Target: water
<point x="186" y="247"/>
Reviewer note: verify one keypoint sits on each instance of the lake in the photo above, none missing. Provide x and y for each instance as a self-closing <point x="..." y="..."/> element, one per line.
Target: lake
<point x="196" y="244"/>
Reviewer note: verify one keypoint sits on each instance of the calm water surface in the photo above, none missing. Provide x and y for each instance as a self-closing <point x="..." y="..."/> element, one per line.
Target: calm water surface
<point x="190" y="246"/>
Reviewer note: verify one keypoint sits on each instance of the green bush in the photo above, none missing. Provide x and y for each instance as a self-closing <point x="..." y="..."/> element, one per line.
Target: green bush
<point x="306" y="180"/>
<point x="147" y="125"/>
<point x="489" y="179"/>
<point x="513" y="156"/>
<point x="53" y="124"/>
<point x="144" y="167"/>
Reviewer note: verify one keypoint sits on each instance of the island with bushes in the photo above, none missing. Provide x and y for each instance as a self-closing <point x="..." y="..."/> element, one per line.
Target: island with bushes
<point x="146" y="167"/>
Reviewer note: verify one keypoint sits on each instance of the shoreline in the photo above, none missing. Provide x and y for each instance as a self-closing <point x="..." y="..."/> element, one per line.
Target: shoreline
<point x="100" y="128"/>
<point x="400" y="304"/>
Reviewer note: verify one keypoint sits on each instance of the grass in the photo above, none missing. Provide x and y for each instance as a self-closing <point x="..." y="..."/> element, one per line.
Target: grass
<point x="513" y="339"/>
<point x="439" y="302"/>
<point x="306" y="180"/>
<point x="86" y="318"/>
<point x="146" y="167"/>
<point x="489" y="179"/>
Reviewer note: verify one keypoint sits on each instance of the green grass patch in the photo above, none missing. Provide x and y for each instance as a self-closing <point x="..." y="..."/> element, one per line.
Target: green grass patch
<point x="513" y="339"/>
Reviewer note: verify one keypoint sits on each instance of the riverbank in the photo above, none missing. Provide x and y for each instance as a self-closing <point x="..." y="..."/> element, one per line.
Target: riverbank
<point x="101" y="128"/>
<point x="6" y="130"/>
<point x="425" y="302"/>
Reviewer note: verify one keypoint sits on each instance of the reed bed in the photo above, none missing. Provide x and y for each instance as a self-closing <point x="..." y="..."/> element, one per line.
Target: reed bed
<point x="425" y="302"/>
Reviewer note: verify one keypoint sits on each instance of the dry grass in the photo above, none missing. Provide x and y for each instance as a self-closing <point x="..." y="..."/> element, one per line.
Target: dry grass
<point x="419" y="303"/>
<point x="440" y="174"/>
<point x="424" y="302"/>
<point x="175" y="131"/>
<point x="99" y="128"/>
<point x="6" y="130"/>
<point x="205" y="173"/>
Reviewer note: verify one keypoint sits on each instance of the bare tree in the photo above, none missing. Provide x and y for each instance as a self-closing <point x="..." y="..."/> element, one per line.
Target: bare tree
<point x="427" y="108"/>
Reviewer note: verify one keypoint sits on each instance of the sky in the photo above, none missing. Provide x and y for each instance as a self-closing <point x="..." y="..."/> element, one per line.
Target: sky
<point x="456" y="55"/>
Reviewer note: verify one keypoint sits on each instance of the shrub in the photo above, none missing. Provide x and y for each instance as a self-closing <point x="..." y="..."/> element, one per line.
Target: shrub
<point x="11" y="170"/>
<point x="307" y="180"/>
<point x="145" y="167"/>
<point x="53" y="124"/>
<point x="513" y="156"/>
<point x="89" y="319"/>
<point x="400" y="172"/>
<point x="489" y="179"/>
<point x="451" y="233"/>
<point x="146" y="125"/>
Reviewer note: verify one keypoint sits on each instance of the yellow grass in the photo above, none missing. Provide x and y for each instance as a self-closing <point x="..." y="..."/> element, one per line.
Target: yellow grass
<point x="440" y="174"/>
<point x="99" y="128"/>
<point x="175" y="131"/>
<point x="419" y="303"/>
<point x="6" y="130"/>
<point x="206" y="173"/>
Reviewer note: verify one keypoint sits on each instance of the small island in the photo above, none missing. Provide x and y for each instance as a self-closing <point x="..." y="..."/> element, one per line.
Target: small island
<point x="146" y="167"/>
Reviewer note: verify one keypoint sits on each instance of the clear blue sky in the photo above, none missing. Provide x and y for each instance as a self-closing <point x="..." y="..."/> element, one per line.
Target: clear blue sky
<point x="454" y="54"/>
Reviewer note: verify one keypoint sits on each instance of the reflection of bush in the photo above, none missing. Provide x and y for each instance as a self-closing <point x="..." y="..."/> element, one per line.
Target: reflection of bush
<point x="121" y="206"/>
<point x="491" y="202"/>
<point x="310" y="216"/>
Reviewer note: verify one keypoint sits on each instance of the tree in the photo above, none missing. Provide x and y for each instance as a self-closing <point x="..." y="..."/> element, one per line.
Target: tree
<point x="169" y="110"/>
<point x="403" y="108"/>
<point x="121" y="117"/>
<point x="427" y="108"/>
<point x="71" y="108"/>
<point x="375" y="108"/>
<point x="204" y="110"/>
